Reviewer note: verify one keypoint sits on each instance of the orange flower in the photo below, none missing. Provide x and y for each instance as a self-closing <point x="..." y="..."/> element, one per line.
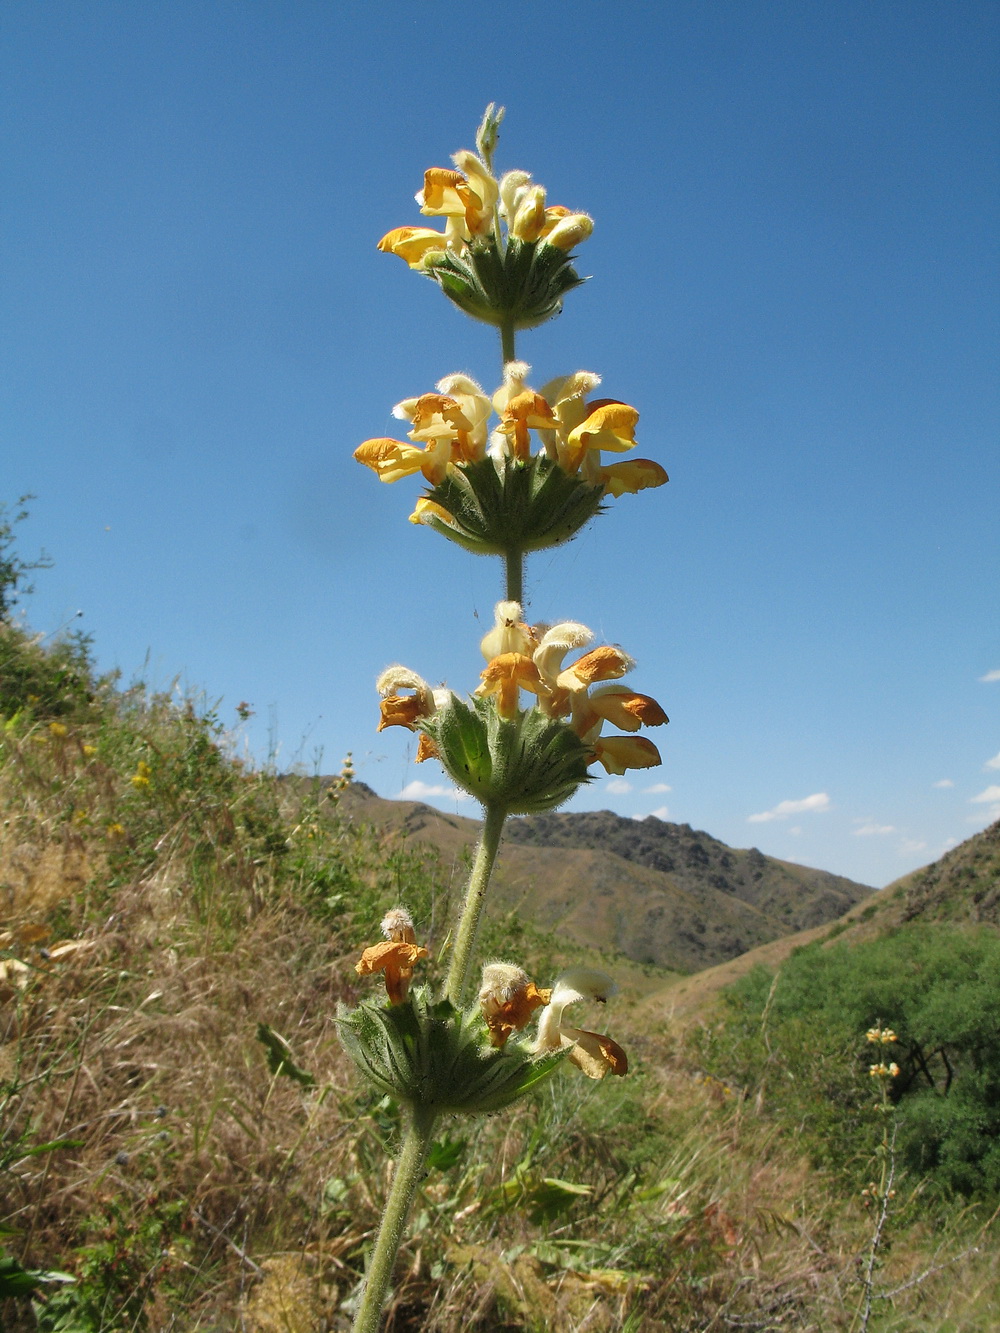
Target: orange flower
<point x="413" y="244"/>
<point x="617" y="753"/>
<point x="604" y="663"/>
<point x="527" y="410"/>
<point x="395" y="957"/>
<point x="623" y="708"/>
<point x="504" y="677"/>
<point x="637" y="474"/>
<point x="508" y="998"/>
<point x="403" y="710"/>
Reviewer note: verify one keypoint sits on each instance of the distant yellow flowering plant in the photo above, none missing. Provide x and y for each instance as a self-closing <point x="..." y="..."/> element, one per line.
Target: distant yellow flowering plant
<point x="506" y="473"/>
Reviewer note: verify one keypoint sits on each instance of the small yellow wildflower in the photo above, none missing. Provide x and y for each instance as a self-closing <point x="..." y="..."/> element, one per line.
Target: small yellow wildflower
<point x="115" y="830"/>
<point x="89" y="751"/>
<point x="58" y="729"/>
<point x="140" y="778"/>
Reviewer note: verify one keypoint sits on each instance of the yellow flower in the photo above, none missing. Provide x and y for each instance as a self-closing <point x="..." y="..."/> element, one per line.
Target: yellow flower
<point x="508" y="998"/>
<point x="89" y="751"/>
<point x="608" y="425"/>
<point x="426" y="510"/>
<point x="618" y="753"/>
<point x="638" y="474"/>
<point x="391" y="459"/>
<point x="58" y="729"/>
<point x="469" y="194"/>
<point x="413" y="244"/>
<point x="567" y="230"/>
<point x="115" y="830"/>
<point x="395" y="957"/>
<point x="140" y="778"/>
<point x="593" y="1052"/>
<point x="449" y="426"/>
<point x="529" y="219"/>
<point x="456" y="414"/>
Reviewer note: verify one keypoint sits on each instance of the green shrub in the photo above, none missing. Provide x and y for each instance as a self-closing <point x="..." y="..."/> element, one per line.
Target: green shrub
<point x="795" y="1040"/>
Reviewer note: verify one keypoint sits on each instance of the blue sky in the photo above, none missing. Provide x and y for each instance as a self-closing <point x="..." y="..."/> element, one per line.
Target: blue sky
<point x="794" y="280"/>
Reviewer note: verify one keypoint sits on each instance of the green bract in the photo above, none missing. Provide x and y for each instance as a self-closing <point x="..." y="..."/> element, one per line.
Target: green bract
<point x="504" y="505"/>
<point x="526" y="765"/>
<point x="431" y="1055"/>
<point x="519" y="287"/>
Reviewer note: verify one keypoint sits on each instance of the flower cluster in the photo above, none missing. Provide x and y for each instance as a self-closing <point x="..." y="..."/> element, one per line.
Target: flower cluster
<point x="490" y="492"/>
<point x="474" y="206"/>
<point x="880" y="1036"/>
<point x="884" y="1071"/>
<point x="531" y="658"/>
<point x="503" y="256"/>
<point x="450" y="427"/>
<point x="508" y="999"/>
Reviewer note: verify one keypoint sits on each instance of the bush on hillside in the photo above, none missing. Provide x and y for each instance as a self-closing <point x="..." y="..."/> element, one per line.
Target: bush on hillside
<point x="796" y="1040"/>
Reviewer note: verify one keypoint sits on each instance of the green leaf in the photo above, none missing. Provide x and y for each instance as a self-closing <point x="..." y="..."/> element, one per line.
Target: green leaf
<point x="53" y="1146"/>
<point x="279" y="1056"/>
<point x="18" y="1281"/>
<point x="444" y="1153"/>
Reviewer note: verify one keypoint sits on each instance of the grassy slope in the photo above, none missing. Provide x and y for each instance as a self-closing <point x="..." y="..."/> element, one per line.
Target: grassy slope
<point x="963" y="886"/>
<point x="193" y="1189"/>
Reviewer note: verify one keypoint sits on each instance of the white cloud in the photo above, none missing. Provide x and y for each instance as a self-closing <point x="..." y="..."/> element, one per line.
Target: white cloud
<point x="945" y="782"/>
<point x="868" y="828"/>
<point x="910" y="845"/>
<point x="661" y="812"/>
<point x="818" y="801"/>
<point x="991" y="799"/>
<point x="618" y="787"/>
<point x="993" y="763"/>
<point x="657" y="787"/>
<point x="421" y="791"/>
<point x="989" y="677"/>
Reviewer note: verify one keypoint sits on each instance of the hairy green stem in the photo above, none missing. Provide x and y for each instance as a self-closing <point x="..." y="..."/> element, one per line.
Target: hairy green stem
<point x="507" y="342"/>
<point x="408" y="1174"/>
<point x="514" y="576"/>
<point x="475" y="896"/>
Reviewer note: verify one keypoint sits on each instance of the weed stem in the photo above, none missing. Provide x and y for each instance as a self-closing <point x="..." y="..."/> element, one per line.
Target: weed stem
<point x="475" y="896"/>
<point x="408" y="1174"/>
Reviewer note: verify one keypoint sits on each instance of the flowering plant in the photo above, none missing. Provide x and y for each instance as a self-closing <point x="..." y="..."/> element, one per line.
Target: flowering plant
<point x="526" y="738"/>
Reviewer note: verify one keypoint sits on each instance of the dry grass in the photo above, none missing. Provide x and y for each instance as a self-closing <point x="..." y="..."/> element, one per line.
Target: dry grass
<point x="194" y="1190"/>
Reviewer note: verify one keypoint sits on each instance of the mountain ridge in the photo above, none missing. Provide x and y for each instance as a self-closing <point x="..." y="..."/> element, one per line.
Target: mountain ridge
<point x="601" y="879"/>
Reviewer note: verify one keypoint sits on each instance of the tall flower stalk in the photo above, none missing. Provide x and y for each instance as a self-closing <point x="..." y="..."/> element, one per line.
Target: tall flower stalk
<point x="505" y="474"/>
